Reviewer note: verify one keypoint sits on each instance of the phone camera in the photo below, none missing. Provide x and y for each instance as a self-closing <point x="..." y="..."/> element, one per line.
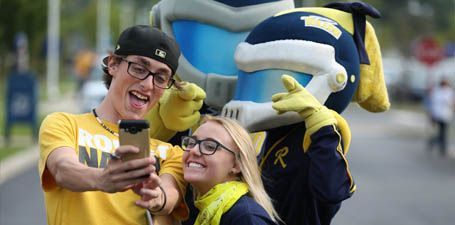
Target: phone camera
<point x="132" y="130"/>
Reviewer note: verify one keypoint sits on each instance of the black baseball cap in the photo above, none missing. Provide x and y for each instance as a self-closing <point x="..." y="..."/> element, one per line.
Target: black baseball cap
<point x="149" y="41"/>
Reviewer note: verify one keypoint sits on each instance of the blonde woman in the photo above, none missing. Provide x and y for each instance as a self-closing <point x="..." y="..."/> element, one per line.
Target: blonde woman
<point x="220" y="163"/>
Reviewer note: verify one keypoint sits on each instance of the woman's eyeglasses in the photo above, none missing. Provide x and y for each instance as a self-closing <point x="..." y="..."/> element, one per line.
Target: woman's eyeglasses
<point x="206" y="147"/>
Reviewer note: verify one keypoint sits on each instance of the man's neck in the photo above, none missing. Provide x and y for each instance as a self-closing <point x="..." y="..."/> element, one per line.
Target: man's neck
<point x="107" y="112"/>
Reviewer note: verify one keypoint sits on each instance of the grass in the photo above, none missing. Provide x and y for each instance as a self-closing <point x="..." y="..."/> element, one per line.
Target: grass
<point x="21" y="135"/>
<point x="8" y="151"/>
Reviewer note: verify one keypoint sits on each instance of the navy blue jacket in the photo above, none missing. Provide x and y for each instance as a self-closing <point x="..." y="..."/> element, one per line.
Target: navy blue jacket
<point x="306" y="187"/>
<point x="246" y="211"/>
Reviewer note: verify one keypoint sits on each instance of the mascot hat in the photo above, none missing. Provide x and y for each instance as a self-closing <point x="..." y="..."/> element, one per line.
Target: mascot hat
<point x="300" y="40"/>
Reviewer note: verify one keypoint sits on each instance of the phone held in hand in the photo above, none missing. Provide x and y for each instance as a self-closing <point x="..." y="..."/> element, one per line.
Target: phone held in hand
<point x="136" y="133"/>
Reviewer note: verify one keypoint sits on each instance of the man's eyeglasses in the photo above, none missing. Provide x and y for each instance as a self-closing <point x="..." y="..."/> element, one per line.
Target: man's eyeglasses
<point x="140" y="72"/>
<point x="206" y="147"/>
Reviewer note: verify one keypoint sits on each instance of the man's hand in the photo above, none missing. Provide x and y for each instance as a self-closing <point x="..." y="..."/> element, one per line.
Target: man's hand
<point x="159" y="194"/>
<point x="153" y="196"/>
<point x="64" y="167"/>
<point x="121" y="176"/>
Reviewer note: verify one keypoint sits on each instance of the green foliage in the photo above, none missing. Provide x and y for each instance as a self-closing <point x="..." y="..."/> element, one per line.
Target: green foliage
<point x="77" y="29"/>
<point x="8" y="151"/>
<point x="22" y="15"/>
<point x="397" y="28"/>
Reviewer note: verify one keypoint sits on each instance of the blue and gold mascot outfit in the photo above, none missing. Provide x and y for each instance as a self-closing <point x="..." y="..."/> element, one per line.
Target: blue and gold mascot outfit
<point x="329" y="57"/>
<point x="297" y="71"/>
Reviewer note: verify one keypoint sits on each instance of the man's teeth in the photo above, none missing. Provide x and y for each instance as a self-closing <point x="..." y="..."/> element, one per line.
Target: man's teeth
<point x="139" y="96"/>
<point x="196" y="165"/>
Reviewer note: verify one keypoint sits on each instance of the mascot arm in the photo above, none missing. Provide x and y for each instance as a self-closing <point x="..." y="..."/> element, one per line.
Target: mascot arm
<point x="298" y="99"/>
<point x="329" y="177"/>
<point x="177" y="110"/>
<point x="157" y="128"/>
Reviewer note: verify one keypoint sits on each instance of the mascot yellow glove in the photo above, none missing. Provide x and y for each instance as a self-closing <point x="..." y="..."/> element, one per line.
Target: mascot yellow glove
<point x="299" y="100"/>
<point x="157" y="128"/>
<point x="177" y="110"/>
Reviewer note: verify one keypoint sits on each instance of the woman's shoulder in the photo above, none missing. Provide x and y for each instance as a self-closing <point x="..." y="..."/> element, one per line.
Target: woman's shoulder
<point x="247" y="204"/>
<point x="246" y="211"/>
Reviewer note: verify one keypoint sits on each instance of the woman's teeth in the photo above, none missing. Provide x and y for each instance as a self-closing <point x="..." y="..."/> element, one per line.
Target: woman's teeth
<point x="195" y="165"/>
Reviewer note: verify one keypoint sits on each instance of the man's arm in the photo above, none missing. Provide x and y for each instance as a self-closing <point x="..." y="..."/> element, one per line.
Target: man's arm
<point x="70" y="174"/>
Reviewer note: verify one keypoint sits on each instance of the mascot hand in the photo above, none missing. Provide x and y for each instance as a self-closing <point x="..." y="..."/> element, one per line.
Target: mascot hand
<point x="179" y="109"/>
<point x="157" y="128"/>
<point x="299" y="100"/>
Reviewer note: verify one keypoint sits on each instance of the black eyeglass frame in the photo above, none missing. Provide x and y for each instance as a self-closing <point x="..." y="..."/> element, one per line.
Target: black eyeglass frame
<point x="170" y="82"/>
<point x="198" y="142"/>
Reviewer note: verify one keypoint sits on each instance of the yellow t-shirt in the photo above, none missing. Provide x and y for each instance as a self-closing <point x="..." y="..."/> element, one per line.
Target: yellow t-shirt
<point x="92" y="144"/>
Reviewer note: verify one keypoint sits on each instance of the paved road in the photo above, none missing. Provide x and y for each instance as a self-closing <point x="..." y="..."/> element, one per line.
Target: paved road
<point x="398" y="181"/>
<point x="21" y="199"/>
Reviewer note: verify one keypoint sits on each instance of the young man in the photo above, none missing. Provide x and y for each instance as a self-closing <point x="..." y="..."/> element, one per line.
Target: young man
<point x="82" y="175"/>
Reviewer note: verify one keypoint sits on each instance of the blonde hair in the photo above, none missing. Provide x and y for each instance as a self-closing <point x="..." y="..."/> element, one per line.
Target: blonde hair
<point x="250" y="173"/>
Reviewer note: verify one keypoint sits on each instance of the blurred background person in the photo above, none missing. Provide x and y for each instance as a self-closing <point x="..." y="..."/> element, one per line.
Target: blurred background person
<point x="83" y="63"/>
<point x="441" y="109"/>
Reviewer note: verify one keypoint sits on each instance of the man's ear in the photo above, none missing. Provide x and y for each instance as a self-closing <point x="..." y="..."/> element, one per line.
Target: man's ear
<point x="112" y="65"/>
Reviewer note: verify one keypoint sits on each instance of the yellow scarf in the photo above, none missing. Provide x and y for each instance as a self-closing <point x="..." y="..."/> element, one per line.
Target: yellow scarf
<point x="217" y="201"/>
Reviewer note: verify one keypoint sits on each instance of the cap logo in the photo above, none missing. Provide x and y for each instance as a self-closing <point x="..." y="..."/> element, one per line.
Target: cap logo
<point x="160" y="53"/>
<point x="324" y="24"/>
<point x="117" y="48"/>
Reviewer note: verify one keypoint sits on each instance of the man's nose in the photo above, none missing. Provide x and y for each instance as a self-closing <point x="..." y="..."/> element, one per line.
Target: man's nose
<point x="147" y="83"/>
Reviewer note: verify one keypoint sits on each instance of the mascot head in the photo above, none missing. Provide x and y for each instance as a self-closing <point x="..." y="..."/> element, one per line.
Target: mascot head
<point x="322" y="48"/>
<point x="208" y="32"/>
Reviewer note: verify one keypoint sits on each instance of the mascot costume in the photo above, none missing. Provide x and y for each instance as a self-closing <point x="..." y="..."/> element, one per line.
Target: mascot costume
<point x="208" y="32"/>
<point x="297" y="71"/>
<point x="330" y="57"/>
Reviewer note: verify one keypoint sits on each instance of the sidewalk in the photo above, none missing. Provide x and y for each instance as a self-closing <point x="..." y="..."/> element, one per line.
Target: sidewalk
<point x="28" y="158"/>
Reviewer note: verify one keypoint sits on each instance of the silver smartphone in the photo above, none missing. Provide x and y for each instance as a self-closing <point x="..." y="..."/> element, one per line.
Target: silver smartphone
<point x="136" y="133"/>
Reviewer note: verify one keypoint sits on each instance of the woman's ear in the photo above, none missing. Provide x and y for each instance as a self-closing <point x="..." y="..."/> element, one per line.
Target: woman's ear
<point x="236" y="169"/>
<point x="234" y="172"/>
